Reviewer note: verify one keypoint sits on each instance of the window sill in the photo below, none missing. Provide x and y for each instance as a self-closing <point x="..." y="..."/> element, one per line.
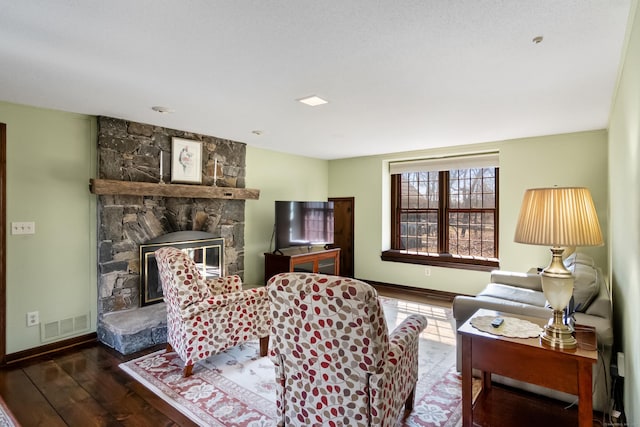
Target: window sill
<point x="448" y="261"/>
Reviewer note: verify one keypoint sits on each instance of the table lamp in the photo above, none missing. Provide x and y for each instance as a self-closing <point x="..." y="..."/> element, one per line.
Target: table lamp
<point x="558" y="217"/>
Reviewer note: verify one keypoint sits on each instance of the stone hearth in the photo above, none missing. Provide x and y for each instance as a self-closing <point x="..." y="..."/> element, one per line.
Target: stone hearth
<point x="133" y="330"/>
<point x="129" y="151"/>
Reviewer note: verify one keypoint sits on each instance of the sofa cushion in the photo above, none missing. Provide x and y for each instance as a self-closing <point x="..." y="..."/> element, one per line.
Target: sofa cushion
<point x="224" y="285"/>
<point x="586" y="285"/>
<point x="513" y="293"/>
<point x="588" y="279"/>
<point x="578" y="258"/>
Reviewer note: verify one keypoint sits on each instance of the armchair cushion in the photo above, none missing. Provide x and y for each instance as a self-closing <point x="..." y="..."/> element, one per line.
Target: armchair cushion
<point x="224" y="285"/>
<point x="189" y="288"/>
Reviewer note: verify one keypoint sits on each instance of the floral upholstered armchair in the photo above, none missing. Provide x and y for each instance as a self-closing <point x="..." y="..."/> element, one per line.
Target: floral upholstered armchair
<point x="207" y="317"/>
<point x="334" y="359"/>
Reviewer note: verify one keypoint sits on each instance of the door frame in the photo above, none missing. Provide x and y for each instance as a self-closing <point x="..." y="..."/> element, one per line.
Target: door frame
<point x="3" y="243"/>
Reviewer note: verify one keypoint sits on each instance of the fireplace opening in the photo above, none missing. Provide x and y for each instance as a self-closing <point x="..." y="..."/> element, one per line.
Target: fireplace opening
<point x="204" y="248"/>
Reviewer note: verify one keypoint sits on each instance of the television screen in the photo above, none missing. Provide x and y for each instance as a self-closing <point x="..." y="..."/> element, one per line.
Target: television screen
<point x="303" y="224"/>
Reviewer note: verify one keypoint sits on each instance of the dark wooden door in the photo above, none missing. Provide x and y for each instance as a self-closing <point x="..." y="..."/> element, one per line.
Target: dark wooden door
<point x="343" y="212"/>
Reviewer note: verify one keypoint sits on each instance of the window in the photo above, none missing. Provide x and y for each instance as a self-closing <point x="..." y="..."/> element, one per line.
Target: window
<point x="445" y="217"/>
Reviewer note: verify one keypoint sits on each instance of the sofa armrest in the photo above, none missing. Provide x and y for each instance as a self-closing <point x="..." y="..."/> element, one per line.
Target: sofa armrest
<point x="599" y="314"/>
<point x="601" y="305"/>
<point x="604" y="327"/>
<point x="523" y="280"/>
<point x="464" y="307"/>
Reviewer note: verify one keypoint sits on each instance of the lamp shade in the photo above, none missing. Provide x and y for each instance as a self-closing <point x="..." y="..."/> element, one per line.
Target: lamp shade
<point x="558" y="216"/>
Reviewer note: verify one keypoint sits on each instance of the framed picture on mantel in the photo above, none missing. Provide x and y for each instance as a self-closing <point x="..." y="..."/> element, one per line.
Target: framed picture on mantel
<point x="186" y="161"/>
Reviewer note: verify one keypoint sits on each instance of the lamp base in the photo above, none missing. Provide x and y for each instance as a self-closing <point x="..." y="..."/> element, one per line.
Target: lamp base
<point x="557" y="335"/>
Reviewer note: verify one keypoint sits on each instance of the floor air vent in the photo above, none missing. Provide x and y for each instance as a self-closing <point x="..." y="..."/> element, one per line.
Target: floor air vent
<point x="65" y="327"/>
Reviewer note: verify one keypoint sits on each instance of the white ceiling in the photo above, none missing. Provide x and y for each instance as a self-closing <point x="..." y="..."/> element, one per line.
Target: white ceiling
<point x="398" y="75"/>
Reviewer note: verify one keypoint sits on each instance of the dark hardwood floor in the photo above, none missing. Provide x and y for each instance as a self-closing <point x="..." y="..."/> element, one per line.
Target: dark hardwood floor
<point x="85" y="387"/>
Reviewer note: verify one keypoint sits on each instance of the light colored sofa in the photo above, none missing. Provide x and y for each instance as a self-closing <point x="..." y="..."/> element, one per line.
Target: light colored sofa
<point x="521" y="293"/>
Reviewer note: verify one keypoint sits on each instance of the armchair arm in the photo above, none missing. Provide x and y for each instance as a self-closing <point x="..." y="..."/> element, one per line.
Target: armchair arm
<point x="280" y="384"/>
<point x="522" y="280"/>
<point x="224" y="285"/>
<point x="246" y="297"/>
<point x="404" y="336"/>
<point x="396" y="384"/>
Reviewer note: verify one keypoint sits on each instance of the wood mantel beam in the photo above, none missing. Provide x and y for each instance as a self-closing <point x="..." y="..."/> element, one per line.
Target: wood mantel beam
<point x="130" y="188"/>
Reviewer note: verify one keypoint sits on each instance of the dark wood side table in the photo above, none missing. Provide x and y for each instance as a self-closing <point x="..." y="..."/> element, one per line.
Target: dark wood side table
<point x="526" y="360"/>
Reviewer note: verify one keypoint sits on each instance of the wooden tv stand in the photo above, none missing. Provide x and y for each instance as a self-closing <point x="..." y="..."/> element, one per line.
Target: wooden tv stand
<point x="326" y="261"/>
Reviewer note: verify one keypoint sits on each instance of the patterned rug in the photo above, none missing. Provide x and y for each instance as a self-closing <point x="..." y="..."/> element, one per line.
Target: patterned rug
<point x="6" y="418"/>
<point x="236" y="387"/>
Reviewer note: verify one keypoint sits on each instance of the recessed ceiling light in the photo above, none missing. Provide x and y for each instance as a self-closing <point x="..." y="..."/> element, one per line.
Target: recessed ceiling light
<point x="163" y="110"/>
<point x="313" y="100"/>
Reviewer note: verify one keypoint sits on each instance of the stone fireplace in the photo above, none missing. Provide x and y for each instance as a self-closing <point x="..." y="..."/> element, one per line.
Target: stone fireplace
<point x="129" y="151"/>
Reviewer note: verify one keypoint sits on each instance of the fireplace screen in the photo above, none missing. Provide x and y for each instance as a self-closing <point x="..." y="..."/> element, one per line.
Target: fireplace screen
<point x="207" y="252"/>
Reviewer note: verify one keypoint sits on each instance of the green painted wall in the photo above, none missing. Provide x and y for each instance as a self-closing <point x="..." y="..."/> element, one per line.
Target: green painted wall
<point x="577" y="159"/>
<point x="624" y="200"/>
<point x="50" y="159"/>
<point x="278" y="176"/>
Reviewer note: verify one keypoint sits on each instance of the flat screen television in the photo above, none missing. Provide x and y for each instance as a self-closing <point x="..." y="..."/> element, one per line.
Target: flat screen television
<point x="303" y="224"/>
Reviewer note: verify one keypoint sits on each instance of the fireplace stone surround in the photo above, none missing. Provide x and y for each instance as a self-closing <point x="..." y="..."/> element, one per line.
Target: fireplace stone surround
<point x="130" y="151"/>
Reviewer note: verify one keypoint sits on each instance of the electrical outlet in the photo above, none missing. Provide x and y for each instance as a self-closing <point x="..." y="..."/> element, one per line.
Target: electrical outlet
<point x="427" y="271"/>
<point x="33" y="318"/>
<point x="23" y="227"/>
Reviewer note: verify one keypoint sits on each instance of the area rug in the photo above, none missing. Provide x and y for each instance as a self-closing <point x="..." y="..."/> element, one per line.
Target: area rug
<point x="6" y="417"/>
<point x="236" y="388"/>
